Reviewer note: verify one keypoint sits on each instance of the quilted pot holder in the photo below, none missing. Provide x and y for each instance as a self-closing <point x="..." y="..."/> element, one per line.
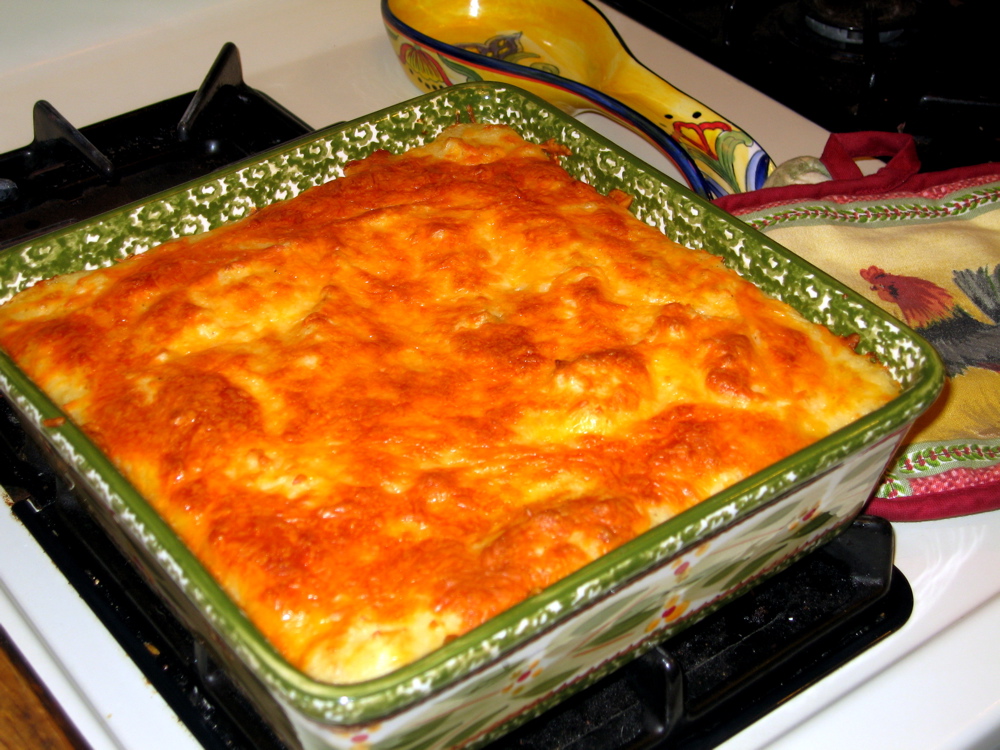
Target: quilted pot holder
<point x="925" y="247"/>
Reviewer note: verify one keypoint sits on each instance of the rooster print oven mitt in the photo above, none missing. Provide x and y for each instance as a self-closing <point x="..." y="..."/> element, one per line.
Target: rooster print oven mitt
<point x="928" y="251"/>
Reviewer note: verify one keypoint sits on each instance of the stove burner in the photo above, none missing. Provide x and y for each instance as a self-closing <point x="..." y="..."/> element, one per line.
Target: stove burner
<point x="68" y="174"/>
<point x="848" y="34"/>
<point x="853" y="22"/>
<point x="921" y="67"/>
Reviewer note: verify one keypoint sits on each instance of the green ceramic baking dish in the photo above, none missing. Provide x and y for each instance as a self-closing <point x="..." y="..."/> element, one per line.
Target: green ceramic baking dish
<point x="515" y="666"/>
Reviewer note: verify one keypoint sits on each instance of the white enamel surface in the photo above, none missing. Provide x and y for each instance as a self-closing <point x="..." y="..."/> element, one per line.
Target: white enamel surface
<point x="98" y="688"/>
<point x="932" y="686"/>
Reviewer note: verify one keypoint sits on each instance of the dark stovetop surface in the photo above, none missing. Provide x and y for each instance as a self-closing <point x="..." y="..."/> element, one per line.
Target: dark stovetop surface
<point x="924" y="68"/>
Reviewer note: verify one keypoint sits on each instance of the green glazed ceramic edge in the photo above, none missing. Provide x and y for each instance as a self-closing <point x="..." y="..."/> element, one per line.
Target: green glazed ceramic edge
<point x="232" y="193"/>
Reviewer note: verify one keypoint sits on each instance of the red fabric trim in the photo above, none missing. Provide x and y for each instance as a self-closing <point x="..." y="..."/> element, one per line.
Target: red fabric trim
<point x="842" y="150"/>
<point x="933" y="506"/>
<point x="900" y="175"/>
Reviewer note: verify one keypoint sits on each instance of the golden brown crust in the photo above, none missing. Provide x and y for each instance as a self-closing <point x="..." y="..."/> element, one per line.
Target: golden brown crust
<point x="392" y="407"/>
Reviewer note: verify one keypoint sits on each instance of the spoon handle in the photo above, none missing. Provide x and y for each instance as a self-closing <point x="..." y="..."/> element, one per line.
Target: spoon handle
<point x="730" y="160"/>
<point x="714" y="156"/>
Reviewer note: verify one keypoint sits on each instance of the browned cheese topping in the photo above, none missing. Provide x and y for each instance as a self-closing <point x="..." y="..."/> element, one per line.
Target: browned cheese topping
<point x="392" y="407"/>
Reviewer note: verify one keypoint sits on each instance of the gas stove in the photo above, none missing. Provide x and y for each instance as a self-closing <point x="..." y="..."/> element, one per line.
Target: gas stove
<point x="927" y="684"/>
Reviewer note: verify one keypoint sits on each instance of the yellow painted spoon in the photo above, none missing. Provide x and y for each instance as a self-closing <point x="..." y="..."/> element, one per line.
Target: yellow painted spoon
<point x="567" y="52"/>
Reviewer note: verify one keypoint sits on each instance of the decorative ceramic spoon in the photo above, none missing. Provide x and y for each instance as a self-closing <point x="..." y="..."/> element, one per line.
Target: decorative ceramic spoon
<point x="567" y="52"/>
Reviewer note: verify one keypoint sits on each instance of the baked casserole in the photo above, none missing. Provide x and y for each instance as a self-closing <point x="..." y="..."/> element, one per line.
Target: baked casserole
<point x="387" y="409"/>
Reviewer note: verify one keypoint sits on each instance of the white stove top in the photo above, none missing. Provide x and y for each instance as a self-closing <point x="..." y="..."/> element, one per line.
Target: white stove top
<point x="932" y="685"/>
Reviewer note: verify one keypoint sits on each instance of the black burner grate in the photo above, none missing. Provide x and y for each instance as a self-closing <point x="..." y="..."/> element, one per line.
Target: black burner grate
<point x="67" y="174"/>
<point x="714" y="679"/>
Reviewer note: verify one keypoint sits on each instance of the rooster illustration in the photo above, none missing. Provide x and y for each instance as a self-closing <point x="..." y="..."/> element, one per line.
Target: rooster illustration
<point x="962" y="340"/>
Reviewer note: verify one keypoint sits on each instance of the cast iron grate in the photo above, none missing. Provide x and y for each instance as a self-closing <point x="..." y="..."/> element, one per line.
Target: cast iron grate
<point x="67" y="174"/>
